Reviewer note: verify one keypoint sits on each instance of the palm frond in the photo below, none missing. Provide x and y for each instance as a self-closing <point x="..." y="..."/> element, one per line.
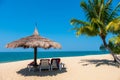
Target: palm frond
<point x="84" y="5"/>
<point x="89" y="10"/>
<point x="114" y="25"/>
<point x="108" y="4"/>
<point x="115" y="48"/>
<point x="79" y="22"/>
<point x="101" y="11"/>
<point x="97" y="22"/>
<point x="86" y="30"/>
<point x="104" y="11"/>
<point x="115" y="40"/>
<point x="114" y="13"/>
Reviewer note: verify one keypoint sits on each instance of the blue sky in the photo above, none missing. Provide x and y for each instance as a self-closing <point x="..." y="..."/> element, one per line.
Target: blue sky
<point x="18" y="18"/>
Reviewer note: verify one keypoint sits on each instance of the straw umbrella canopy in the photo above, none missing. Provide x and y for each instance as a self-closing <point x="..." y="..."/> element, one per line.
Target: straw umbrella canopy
<point x="34" y="41"/>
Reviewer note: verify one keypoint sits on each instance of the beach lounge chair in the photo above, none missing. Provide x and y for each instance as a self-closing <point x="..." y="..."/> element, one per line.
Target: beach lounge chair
<point x="44" y="64"/>
<point x="55" y="63"/>
<point x="30" y="66"/>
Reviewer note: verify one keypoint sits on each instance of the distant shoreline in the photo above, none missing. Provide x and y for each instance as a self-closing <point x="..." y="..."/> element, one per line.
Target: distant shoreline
<point x="55" y="57"/>
<point x="8" y="61"/>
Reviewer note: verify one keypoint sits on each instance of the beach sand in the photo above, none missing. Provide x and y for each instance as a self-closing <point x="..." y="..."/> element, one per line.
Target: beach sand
<point x="96" y="67"/>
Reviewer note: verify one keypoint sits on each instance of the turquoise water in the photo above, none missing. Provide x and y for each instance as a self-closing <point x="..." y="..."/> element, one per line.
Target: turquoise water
<point x="18" y="56"/>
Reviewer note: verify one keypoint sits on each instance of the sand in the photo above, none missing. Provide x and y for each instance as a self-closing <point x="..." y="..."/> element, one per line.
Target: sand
<point x="96" y="67"/>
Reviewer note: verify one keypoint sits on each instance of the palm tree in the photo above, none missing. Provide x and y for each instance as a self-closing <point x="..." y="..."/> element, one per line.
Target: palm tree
<point x="100" y="16"/>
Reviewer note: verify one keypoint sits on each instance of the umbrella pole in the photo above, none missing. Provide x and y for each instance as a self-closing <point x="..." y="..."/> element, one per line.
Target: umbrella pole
<point x="35" y="56"/>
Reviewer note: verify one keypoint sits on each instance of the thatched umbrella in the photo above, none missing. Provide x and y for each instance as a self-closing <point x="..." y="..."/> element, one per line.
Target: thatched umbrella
<point x="34" y="41"/>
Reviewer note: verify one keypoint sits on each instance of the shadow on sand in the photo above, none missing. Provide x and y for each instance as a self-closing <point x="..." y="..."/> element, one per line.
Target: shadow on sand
<point x="99" y="62"/>
<point x="25" y="72"/>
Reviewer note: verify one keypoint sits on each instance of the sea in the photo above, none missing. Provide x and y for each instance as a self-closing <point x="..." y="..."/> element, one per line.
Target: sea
<point x="19" y="56"/>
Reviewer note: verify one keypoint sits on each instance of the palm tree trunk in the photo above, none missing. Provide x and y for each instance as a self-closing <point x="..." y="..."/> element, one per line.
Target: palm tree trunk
<point x="112" y="54"/>
<point x="104" y="41"/>
<point x="107" y="47"/>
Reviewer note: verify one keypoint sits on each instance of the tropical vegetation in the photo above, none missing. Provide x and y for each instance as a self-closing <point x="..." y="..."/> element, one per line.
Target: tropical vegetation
<point x="102" y="19"/>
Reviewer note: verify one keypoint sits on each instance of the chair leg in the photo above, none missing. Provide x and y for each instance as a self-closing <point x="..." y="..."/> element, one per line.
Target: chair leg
<point x="40" y="69"/>
<point x="29" y="68"/>
<point x="51" y="68"/>
<point x="60" y="67"/>
<point x="63" y="65"/>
